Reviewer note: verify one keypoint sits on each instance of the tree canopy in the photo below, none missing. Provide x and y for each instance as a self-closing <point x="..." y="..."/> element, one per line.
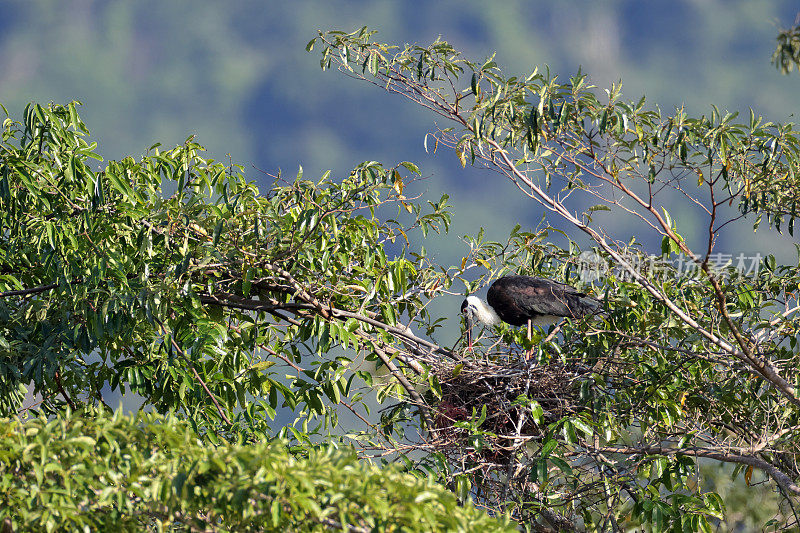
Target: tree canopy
<point x="254" y="321"/>
<point x="173" y="278"/>
<point x="686" y="366"/>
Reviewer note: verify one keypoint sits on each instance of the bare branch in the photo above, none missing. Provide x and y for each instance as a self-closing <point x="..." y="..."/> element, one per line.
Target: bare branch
<point x="732" y="455"/>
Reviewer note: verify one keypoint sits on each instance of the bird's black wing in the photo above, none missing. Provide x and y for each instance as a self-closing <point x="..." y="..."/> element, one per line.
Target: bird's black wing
<point x="523" y="297"/>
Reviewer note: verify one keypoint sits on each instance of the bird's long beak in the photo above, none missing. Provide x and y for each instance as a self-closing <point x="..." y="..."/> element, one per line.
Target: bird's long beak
<point x="468" y="322"/>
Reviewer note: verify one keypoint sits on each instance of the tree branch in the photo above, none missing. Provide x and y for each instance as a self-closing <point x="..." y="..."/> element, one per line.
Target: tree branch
<point x="63" y="392"/>
<point x="333" y="313"/>
<point x="733" y="455"/>
<point x="403" y="380"/>
<point x="32" y="290"/>
<point x="764" y="369"/>
<point x="194" y="371"/>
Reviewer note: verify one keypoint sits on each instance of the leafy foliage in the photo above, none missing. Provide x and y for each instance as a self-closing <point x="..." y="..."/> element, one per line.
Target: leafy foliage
<point x="106" y="280"/>
<point x="174" y="278"/>
<point x="686" y="365"/>
<point x="99" y="471"/>
<point x="787" y="54"/>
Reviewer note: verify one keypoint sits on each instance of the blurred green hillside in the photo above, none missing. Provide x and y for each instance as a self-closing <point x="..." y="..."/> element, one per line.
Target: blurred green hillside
<point x="236" y="75"/>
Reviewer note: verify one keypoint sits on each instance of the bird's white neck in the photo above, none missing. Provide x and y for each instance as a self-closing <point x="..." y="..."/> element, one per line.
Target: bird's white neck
<point x="482" y="311"/>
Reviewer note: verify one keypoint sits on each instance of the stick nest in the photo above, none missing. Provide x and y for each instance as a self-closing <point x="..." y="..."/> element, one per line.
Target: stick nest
<point x="470" y="385"/>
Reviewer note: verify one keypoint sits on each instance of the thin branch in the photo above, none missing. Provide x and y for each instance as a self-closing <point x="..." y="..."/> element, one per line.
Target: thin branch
<point x="63" y="392"/>
<point x="194" y="371"/>
<point x="733" y="455"/>
<point x="327" y="312"/>
<point x="774" y="322"/>
<point x="32" y="290"/>
<point x="403" y="380"/>
<point x="763" y="367"/>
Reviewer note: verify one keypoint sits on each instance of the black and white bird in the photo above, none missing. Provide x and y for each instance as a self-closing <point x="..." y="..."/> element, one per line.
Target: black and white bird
<point x="520" y="300"/>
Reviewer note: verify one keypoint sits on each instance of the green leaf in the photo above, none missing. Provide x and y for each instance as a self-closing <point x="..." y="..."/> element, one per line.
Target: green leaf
<point x="411" y="167"/>
<point x="373" y="64"/>
<point x="537" y="413"/>
<point x="548" y="447"/>
<point x="262" y="365"/>
<point x="533" y="122"/>
<point x="120" y="185"/>
<point x="667" y="218"/>
<point x="247" y="281"/>
<point x="561" y="465"/>
<point x="666" y="245"/>
<point x="583" y="426"/>
<point x="217" y="232"/>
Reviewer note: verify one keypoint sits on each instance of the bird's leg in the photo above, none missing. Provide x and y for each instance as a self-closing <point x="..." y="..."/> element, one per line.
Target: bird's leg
<point x="529" y="351"/>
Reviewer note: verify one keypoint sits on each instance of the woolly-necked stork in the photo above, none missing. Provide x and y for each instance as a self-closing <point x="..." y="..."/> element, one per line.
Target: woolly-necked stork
<point x="519" y="300"/>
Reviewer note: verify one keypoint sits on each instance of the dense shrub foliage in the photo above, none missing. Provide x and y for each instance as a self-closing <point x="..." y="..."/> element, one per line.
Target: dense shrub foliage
<point x="112" y="472"/>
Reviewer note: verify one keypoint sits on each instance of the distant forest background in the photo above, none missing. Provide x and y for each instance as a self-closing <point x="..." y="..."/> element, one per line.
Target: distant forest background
<point x="236" y="75"/>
